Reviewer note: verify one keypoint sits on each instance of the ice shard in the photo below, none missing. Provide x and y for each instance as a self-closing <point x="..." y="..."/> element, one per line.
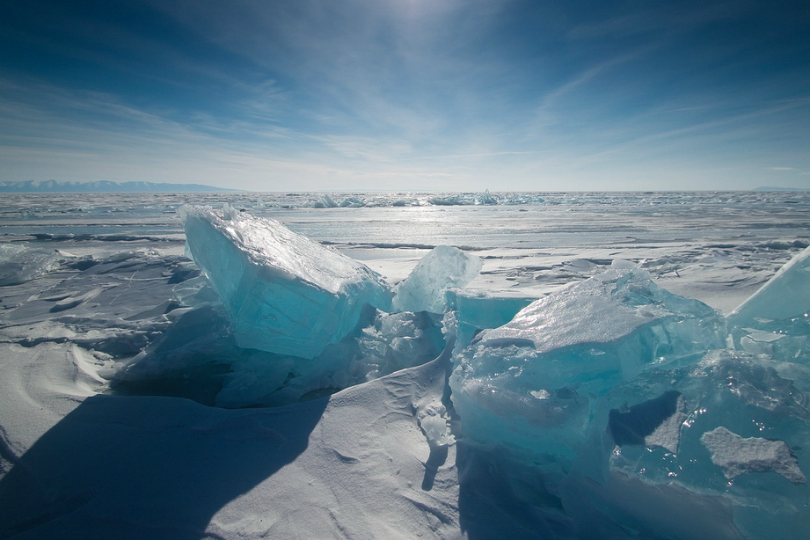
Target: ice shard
<point x="534" y="383"/>
<point x="284" y="293"/>
<point x="442" y="269"/>
<point x="776" y="319"/>
<point x="785" y="296"/>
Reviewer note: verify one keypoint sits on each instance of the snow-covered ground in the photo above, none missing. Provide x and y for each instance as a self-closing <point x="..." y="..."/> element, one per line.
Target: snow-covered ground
<point x="90" y="282"/>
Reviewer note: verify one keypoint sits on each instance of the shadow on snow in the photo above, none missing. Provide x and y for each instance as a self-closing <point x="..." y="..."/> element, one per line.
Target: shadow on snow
<point x="135" y="467"/>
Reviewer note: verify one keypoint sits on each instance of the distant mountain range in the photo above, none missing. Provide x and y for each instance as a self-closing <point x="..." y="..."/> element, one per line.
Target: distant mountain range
<point x="102" y="186"/>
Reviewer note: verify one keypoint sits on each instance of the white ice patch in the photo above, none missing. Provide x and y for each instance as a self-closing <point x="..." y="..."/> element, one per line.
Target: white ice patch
<point x="433" y="420"/>
<point x="737" y="455"/>
<point x="656" y="422"/>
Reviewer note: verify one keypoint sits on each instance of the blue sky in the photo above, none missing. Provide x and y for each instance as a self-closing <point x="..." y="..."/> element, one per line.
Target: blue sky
<point x="449" y="95"/>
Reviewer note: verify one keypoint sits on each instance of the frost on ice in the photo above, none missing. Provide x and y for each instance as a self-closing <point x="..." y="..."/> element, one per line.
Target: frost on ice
<point x="284" y="293"/>
<point x="737" y="455"/>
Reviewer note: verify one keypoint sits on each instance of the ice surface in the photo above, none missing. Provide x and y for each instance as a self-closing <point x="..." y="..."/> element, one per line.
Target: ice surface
<point x="284" y="293"/>
<point x="534" y="382"/>
<point x="442" y="269"/>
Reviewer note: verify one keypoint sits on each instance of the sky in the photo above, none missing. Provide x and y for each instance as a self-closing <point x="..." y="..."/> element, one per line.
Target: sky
<point x="439" y="95"/>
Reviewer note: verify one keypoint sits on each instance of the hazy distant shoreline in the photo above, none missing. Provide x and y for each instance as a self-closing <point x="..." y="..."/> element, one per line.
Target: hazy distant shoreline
<point x="106" y="186"/>
<point x="103" y="186"/>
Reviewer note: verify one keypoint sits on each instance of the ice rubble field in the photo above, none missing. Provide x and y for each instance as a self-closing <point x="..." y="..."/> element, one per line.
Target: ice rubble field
<point x="439" y="406"/>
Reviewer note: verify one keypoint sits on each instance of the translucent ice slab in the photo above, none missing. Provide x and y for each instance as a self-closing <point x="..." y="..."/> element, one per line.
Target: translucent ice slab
<point x="19" y="264"/>
<point x="442" y="269"/>
<point x="284" y="293"/>
<point x="776" y="319"/>
<point x="534" y="382"/>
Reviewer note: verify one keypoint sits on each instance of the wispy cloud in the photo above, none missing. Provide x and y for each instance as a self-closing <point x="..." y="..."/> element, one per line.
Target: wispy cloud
<point x="356" y="92"/>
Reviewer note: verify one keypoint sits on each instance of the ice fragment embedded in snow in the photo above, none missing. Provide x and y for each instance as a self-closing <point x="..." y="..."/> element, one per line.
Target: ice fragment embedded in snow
<point x="433" y="420"/>
<point x="395" y="341"/>
<point x="284" y="293"/>
<point x="442" y="269"/>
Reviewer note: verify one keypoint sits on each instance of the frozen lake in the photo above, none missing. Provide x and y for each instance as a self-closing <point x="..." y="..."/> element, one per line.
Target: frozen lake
<point x="530" y="242"/>
<point x="128" y="411"/>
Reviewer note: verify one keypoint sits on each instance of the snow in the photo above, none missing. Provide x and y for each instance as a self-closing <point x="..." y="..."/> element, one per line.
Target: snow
<point x="135" y="467"/>
<point x="129" y="410"/>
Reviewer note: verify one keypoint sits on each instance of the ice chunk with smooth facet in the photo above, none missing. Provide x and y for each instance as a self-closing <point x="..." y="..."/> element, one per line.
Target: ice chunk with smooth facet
<point x="776" y="319"/>
<point x="284" y="293"/>
<point x="470" y="311"/>
<point x="534" y="382"/>
<point x="785" y="296"/>
<point x="442" y="269"/>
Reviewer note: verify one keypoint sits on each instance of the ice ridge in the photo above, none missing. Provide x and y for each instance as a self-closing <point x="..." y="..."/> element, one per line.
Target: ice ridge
<point x="614" y="380"/>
